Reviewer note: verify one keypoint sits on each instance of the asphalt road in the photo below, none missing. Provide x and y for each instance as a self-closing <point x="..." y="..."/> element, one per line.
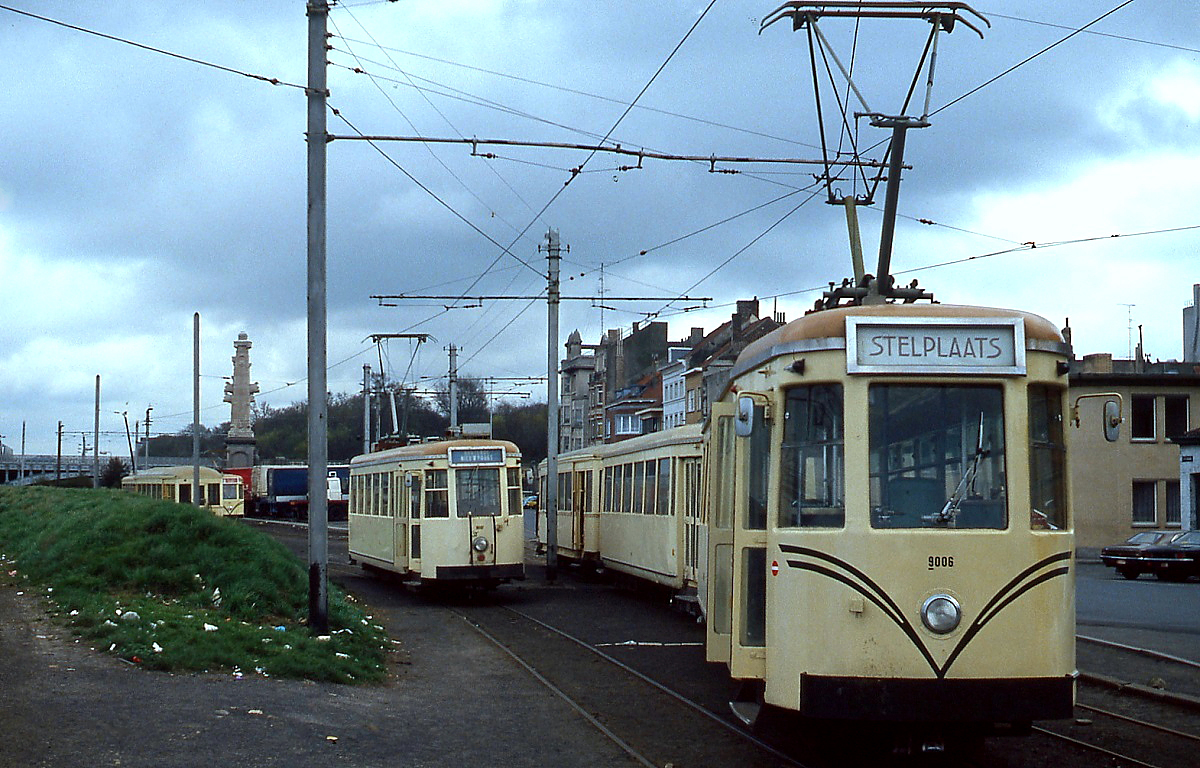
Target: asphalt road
<point x="1160" y="615"/>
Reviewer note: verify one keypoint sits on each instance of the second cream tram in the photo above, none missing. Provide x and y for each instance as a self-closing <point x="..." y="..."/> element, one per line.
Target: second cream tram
<point x="221" y="494"/>
<point x="447" y="511"/>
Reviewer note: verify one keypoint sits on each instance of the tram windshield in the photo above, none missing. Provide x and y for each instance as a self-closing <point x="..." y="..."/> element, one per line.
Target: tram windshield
<point x="477" y="492"/>
<point x="937" y="457"/>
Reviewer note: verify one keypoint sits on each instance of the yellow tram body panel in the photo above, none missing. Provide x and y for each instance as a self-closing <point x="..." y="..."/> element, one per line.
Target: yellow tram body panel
<point x="224" y="495"/>
<point x="876" y="547"/>
<point x="444" y="511"/>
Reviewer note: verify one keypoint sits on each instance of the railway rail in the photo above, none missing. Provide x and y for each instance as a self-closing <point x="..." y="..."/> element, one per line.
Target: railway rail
<point x="628" y="666"/>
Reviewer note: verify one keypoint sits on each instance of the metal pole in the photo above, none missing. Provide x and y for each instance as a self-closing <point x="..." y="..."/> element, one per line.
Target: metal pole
<point x="366" y="409"/>
<point x="453" y="388"/>
<point x="21" y="464"/>
<point x="197" y="491"/>
<point x="856" y="251"/>
<point x="129" y="439"/>
<point x="899" y="128"/>
<point x="96" y="440"/>
<point x="146" y="461"/>
<point x="58" y="457"/>
<point x="318" y="434"/>
<point x="552" y="302"/>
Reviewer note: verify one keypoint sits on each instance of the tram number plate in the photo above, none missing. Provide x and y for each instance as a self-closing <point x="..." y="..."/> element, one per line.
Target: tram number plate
<point x="941" y="561"/>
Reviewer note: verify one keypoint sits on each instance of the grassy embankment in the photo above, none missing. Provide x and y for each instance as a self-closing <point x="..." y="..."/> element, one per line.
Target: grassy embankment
<point x="170" y="587"/>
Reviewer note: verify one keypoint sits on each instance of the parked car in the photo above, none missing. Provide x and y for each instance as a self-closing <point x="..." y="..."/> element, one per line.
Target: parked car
<point x="1127" y="557"/>
<point x="1176" y="560"/>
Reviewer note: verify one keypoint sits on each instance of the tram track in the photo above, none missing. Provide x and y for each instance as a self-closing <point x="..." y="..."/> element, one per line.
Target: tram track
<point x="653" y="723"/>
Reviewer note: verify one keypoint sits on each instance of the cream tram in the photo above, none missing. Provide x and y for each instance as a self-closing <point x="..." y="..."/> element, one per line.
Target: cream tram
<point x="889" y="531"/>
<point x="439" y="512"/>
<point x="633" y="507"/>
<point x="221" y="494"/>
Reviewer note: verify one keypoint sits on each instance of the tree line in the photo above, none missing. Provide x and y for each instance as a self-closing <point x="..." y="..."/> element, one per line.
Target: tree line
<point x="282" y="433"/>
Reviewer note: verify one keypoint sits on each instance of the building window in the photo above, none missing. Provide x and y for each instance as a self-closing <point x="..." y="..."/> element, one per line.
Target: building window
<point x="1142" y="417"/>
<point x="1173" y="518"/>
<point x="1177" y="415"/>
<point x="691" y="400"/>
<point x="1144" y="511"/>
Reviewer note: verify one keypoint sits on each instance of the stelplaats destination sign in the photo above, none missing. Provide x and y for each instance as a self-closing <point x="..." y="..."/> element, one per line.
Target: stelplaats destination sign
<point x="959" y="345"/>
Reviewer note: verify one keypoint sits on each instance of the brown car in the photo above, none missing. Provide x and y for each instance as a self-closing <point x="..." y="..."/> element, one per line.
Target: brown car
<point x="1127" y="557"/>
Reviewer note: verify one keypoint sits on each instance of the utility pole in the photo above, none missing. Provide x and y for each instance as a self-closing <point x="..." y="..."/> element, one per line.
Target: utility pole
<point x="453" y="388"/>
<point x="58" y="457"/>
<point x="318" y="409"/>
<point x="96" y="440"/>
<point x="129" y="439"/>
<point x="197" y="490"/>
<point x="21" y="464"/>
<point x="146" y="462"/>
<point x="366" y="409"/>
<point x="553" y="259"/>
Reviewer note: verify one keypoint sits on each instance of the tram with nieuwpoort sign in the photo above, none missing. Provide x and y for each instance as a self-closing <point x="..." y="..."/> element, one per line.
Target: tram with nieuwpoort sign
<point x="441" y="512"/>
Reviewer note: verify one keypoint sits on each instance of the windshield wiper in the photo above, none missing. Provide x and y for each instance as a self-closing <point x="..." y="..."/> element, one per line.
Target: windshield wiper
<point x="951" y="508"/>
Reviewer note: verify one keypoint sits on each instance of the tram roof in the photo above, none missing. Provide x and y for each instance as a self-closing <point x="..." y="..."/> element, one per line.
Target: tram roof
<point x="182" y="472"/>
<point x="437" y="448"/>
<point x="831" y="324"/>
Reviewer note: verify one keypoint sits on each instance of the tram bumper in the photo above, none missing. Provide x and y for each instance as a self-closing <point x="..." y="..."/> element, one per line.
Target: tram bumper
<point x="946" y="701"/>
<point x="480" y="572"/>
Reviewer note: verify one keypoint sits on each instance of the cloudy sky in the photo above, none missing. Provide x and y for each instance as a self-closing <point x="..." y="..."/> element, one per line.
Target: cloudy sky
<point x="137" y="188"/>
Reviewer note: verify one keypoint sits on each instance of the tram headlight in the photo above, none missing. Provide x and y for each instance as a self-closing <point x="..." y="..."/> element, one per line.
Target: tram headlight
<point x="941" y="613"/>
<point x="480" y="544"/>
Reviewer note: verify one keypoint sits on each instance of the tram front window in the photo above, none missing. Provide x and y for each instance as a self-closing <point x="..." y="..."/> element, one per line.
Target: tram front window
<point x="477" y="492"/>
<point x="937" y="457"/>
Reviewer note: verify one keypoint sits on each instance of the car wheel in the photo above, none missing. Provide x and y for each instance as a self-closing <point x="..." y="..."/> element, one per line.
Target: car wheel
<point x="1128" y="574"/>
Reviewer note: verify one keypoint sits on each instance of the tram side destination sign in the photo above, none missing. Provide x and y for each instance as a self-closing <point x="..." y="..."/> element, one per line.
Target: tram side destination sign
<point x="958" y="345"/>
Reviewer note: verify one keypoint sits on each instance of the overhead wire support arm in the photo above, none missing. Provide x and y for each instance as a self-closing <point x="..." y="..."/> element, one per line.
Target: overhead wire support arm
<point x="449" y="297"/>
<point x="616" y="149"/>
<point x="944" y="15"/>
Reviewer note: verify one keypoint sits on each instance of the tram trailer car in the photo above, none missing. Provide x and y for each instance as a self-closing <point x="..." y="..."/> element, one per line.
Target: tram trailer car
<point x="633" y="507"/>
<point x="889" y="531"/>
<point x="222" y="493"/>
<point x="445" y="512"/>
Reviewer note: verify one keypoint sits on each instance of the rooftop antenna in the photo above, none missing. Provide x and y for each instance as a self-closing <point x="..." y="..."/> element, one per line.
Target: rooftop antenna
<point x="1129" y="328"/>
<point x="864" y="288"/>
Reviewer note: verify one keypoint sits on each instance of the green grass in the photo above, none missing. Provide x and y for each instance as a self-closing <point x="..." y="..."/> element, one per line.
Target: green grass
<point x="171" y="587"/>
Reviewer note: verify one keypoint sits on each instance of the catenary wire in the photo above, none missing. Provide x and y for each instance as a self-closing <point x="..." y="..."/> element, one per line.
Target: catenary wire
<point x="152" y="49"/>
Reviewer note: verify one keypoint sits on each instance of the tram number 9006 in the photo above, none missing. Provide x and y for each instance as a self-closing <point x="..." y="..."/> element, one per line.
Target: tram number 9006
<point x="940" y="561"/>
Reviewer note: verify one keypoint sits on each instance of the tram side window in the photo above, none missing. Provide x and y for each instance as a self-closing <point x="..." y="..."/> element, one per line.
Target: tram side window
<point x="1047" y="464"/>
<point x="813" y="493"/>
<point x="626" y="488"/>
<point x="477" y="492"/>
<point x="514" y="491"/>
<point x="937" y="456"/>
<point x="607" y="504"/>
<point x="664" y="487"/>
<point x="436" y="491"/>
<point x="564" y="491"/>
<point x="414" y="496"/>
<point x="385" y="486"/>
<point x="651" y="488"/>
<point x="214" y="493"/>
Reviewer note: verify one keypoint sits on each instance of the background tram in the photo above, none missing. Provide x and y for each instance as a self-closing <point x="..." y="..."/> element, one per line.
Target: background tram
<point x="633" y="506"/>
<point x="889" y="531"/>
<point x="445" y="511"/>
<point x="222" y="494"/>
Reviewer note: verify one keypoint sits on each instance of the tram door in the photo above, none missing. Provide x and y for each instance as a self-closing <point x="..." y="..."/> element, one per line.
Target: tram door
<point x="693" y="547"/>
<point x="722" y="487"/>
<point x="399" y="513"/>
<point x="581" y="491"/>
<point x="410" y="527"/>
<point x="753" y="459"/>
